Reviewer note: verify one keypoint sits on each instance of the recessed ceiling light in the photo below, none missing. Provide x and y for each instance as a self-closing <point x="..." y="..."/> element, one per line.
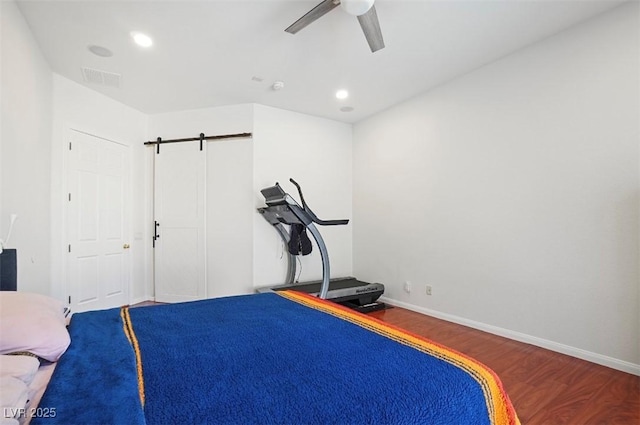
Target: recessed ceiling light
<point x="141" y="39"/>
<point x="100" y="51"/>
<point x="342" y="94"/>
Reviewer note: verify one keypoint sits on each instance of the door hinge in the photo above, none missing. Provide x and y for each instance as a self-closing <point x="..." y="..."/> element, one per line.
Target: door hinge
<point x="69" y="247"/>
<point x="69" y="145"/>
<point x="69" y="197"/>
<point x="69" y="299"/>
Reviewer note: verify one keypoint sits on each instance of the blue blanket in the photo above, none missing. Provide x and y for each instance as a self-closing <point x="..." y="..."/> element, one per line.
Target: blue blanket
<point x="94" y="381"/>
<point x="262" y="359"/>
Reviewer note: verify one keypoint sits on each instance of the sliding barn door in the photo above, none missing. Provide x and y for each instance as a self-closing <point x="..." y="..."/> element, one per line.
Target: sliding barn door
<point x="97" y="223"/>
<point x="179" y="209"/>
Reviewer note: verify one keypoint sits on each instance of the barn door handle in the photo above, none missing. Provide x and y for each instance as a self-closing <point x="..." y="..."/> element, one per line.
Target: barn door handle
<point x="156" y="236"/>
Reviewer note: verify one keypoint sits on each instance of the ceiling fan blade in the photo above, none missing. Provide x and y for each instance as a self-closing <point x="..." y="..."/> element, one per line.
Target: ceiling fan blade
<point x="371" y="28"/>
<point x="314" y="14"/>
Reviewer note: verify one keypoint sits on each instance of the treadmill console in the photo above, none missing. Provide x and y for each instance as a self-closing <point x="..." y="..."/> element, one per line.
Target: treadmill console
<point x="274" y="195"/>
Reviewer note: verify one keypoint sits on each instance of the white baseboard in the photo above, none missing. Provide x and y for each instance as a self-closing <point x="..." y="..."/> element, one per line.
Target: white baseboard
<point x="600" y="359"/>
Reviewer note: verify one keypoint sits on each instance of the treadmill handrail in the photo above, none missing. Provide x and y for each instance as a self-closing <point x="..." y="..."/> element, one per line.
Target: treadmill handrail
<point x="314" y="217"/>
<point x="339" y="222"/>
<point x="304" y="203"/>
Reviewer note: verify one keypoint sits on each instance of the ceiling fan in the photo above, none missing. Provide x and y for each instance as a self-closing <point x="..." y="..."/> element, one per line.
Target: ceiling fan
<point x="363" y="9"/>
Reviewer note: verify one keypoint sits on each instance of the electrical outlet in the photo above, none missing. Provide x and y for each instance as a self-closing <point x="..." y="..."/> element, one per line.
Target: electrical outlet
<point x="428" y="289"/>
<point x="407" y="287"/>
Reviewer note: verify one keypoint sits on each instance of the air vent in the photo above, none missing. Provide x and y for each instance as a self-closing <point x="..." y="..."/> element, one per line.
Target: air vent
<point x="103" y="78"/>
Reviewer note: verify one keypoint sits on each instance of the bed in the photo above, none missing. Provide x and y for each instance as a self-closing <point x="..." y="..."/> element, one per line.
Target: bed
<point x="281" y="358"/>
<point x="33" y="336"/>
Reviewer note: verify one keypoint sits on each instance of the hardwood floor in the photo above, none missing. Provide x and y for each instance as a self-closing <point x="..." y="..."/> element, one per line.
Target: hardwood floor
<point x="545" y="387"/>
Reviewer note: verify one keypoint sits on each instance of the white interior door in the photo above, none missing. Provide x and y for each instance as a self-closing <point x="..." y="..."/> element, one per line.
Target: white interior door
<point x="97" y="223"/>
<point x="179" y="209"/>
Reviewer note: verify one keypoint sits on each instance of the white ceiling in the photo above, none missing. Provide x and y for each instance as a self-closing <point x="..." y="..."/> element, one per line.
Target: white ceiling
<point x="205" y="53"/>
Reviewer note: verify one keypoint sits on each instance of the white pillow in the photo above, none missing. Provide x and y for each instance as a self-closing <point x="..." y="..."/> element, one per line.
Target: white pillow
<point x="22" y="367"/>
<point x="14" y="395"/>
<point x="33" y="323"/>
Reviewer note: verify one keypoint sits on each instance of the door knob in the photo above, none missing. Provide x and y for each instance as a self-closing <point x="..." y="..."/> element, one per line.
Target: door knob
<point x="126" y="246"/>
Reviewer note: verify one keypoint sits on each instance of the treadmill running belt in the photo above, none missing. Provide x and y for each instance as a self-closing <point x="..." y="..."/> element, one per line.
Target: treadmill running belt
<point x="313" y="287"/>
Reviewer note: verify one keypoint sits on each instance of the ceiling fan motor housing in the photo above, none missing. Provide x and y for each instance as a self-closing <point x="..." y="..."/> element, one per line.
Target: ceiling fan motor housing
<point x="356" y="7"/>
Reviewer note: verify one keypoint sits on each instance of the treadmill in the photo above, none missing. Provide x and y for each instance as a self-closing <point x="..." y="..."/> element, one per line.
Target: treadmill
<point x="282" y="209"/>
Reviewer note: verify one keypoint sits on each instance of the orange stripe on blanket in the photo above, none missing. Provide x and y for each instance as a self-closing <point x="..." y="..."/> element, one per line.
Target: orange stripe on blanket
<point x="501" y="411"/>
<point x="131" y="336"/>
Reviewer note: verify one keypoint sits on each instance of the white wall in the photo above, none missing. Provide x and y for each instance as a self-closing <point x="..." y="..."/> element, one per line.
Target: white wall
<point x="79" y="108"/>
<point x="229" y="190"/>
<point x="317" y="153"/>
<point x="25" y="148"/>
<point x="513" y="191"/>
